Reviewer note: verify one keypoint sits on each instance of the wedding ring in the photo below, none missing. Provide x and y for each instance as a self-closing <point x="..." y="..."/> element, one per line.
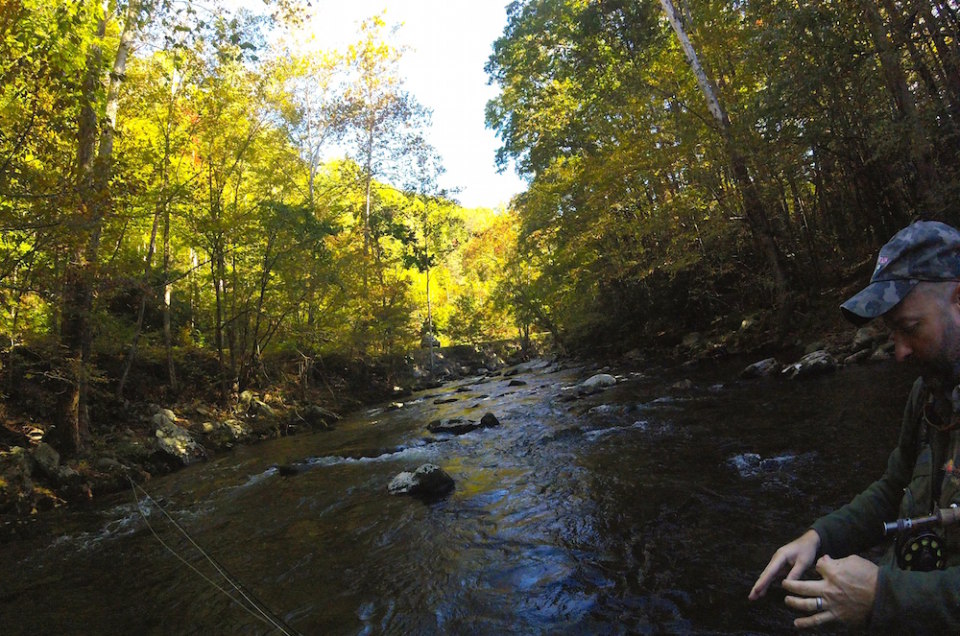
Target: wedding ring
<point x="819" y="603"/>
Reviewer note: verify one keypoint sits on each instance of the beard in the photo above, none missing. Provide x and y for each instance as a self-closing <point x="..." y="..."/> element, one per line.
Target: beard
<point x="945" y="365"/>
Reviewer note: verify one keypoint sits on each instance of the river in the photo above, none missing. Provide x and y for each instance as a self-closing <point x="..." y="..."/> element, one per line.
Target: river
<point x="646" y="509"/>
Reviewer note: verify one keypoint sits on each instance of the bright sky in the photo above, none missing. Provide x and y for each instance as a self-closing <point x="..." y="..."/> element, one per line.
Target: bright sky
<point x="448" y="44"/>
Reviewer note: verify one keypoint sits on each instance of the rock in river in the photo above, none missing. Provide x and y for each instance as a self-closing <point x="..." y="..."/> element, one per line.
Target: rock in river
<point x="489" y="420"/>
<point x="429" y="480"/>
<point x="596" y="383"/>
<point x="816" y="363"/>
<point x="763" y="369"/>
<point x="453" y="426"/>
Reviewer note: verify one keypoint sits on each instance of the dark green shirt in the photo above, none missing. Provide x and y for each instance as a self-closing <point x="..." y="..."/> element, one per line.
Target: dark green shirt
<point x="906" y="602"/>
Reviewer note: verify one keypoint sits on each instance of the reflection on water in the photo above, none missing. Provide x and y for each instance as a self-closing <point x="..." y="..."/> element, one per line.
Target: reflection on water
<point x="640" y="510"/>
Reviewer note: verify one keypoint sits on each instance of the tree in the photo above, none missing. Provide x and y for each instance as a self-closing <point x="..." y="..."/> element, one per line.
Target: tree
<point x="308" y="101"/>
<point x="382" y="118"/>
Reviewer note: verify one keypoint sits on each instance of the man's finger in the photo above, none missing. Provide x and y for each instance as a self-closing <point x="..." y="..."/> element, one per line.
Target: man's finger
<point x="796" y="571"/>
<point x="813" y="621"/>
<point x="804" y="588"/>
<point x="763" y="581"/>
<point x="802" y="603"/>
<point x="824" y="564"/>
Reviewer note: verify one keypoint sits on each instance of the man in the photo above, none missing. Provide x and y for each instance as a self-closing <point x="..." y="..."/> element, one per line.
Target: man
<point x="915" y="288"/>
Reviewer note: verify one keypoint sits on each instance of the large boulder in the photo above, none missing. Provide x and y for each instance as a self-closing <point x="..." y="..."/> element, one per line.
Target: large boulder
<point x="816" y="363"/>
<point x="162" y="417"/>
<point x="176" y="441"/>
<point x="259" y="408"/>
<point x="596" y="383"/>
<point x="227" y="433"/>
<point x="319" y="418"/>
<point x="763" y="369"/>
<point x="427" y="481"/>
<point x="47" y="460"/>
<point x="866" y="337"/>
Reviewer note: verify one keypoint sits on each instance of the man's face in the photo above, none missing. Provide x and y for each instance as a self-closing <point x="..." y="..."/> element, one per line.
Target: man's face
<point x="925" y="327"/>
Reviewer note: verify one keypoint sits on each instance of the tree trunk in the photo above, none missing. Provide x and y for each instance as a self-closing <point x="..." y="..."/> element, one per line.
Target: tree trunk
<point x="144" y="294"/>
<point x="167" y="289"/>
<point x="368" y="171"/>
<point x="76" y="335"/>
<point x="216" y="271"/>
<point x="753" y="207"/>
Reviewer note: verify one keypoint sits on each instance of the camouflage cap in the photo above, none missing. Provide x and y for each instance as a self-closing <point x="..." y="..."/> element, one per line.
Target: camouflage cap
<point x="922" y="251"/>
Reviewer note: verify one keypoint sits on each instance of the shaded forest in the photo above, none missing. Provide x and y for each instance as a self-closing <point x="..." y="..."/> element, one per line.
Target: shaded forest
<point x="694" y="162"/>
<point x="181" y="190"/>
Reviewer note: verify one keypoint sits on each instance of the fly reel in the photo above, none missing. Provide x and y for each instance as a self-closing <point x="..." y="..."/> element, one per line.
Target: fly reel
<point x="921" y="553"/>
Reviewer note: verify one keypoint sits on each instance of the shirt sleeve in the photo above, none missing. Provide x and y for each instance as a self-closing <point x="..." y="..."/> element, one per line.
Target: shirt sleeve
<point x="916" y="602"/>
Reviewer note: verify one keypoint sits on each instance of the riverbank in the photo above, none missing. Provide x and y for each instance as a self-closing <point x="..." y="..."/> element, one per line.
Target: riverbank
<point x="138" y="439"/>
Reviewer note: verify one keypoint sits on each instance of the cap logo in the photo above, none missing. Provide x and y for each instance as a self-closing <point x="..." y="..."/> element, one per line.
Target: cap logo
<point x="881" y="261"/>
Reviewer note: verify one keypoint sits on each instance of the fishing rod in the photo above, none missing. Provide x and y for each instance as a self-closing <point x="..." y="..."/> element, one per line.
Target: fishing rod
<point x="262" y="613"/>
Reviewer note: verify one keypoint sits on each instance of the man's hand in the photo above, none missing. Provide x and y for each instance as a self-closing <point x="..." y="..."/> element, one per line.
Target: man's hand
<point x="799" y="553"/>
<point x="846" y="592"/>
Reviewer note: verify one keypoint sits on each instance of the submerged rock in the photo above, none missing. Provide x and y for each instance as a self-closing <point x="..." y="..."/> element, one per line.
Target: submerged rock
<point x="290" y="470"/>
<point x="452" y="426"/>
<point x="429" y="480"/>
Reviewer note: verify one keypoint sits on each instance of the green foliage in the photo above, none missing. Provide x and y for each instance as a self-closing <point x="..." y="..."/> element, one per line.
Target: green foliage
<point x="220" y="213"/>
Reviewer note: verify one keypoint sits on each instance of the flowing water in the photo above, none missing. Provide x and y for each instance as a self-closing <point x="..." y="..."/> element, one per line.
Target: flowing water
<point x="645" y="509"/>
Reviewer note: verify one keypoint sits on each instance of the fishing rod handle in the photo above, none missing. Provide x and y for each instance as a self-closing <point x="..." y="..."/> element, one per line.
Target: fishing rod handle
<point x="942" y="517"/>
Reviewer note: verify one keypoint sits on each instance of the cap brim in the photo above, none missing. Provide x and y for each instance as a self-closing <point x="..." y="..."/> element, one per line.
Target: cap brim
<point x="876" y="299"/>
